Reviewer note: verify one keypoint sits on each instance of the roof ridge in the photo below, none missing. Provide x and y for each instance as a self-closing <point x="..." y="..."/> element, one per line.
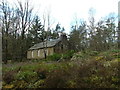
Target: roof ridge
<point x="49" y="44"/>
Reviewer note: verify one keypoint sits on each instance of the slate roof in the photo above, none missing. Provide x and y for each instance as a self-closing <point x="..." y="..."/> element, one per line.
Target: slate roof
<point x="49" y="44"/>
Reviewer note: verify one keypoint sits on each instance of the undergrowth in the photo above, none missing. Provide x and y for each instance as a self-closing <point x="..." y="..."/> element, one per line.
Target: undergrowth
<point x="79" y="70"/>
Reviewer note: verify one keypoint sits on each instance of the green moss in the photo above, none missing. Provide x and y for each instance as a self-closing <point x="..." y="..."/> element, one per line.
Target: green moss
<point x="68" y="55"/>
<point x="30" y="67"/>
<point x="54" y="57"/>
<point x="27" y="76"/>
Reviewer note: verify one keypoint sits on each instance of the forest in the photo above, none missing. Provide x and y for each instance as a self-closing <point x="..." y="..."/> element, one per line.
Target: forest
<point x="92" y="60"/>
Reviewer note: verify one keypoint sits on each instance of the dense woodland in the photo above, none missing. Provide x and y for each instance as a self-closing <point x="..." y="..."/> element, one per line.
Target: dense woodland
<point x="92" y="60"/>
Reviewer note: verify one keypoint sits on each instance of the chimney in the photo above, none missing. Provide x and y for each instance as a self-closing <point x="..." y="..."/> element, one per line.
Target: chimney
<point x="63" y="36"/>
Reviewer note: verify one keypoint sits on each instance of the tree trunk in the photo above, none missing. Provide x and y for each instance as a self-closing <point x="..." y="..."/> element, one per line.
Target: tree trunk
<point x="119" y="35"/>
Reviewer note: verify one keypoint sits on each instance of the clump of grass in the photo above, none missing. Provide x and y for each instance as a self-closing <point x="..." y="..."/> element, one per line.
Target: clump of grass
<point x="68" y="55"/>
<point x="54" y="57"/>
<point x="27" y="76"/>
<point x="57" y="57"/>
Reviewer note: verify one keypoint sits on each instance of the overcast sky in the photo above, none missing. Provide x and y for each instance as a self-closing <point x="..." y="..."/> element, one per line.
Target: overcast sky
<point x="65" y="11"/>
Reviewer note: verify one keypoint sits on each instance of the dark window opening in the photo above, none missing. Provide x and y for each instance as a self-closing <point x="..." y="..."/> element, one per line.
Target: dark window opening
<point x="61" y="47"/>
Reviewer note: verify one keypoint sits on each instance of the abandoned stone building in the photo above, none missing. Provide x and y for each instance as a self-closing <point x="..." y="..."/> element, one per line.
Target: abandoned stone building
<point x="43" y="49"/>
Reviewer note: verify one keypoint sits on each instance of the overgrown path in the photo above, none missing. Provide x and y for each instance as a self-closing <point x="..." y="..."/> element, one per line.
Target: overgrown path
<point x="19" y="64"/>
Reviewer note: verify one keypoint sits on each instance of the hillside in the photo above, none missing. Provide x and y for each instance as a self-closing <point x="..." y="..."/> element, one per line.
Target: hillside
<point x="89" y="69"/>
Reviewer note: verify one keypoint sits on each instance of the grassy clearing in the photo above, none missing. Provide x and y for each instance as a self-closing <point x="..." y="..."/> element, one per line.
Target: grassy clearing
<point x="85" y="69"/>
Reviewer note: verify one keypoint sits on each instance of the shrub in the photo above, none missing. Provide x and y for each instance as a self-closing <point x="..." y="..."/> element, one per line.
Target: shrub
<point x="116" y="53"/>
<point x="93" y="53"/>
<point x="68" y="55"/>
<point x="41" y="73"/>
<point x="38" y="84"/>
<point x="57" y="79"/>
<point x="20" y="84"/>
<point x="80" y="56"/>
<point x="9" y="86"/>
<point x="100" y="71"/>
<point x="71" y="84"/>
<point x="116" y="50"/>
<point x="94" y="74"/>
<point x="60" y="75"/>
<point x="27" y="76"/>
<point x="9" y="76"/>
<point x="54" y="57"/>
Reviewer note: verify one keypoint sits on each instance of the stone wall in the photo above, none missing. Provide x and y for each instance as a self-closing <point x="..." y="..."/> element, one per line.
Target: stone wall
<point x="39" y="54"/>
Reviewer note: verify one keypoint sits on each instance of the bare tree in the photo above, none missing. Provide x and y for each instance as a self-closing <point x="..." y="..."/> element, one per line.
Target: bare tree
<point x="119" y="34"/>
<point x="47" y="23"/>
<point x="24" y="14"/>
<point x="43" y="38"/>
<point x="118" y="25"/>
<point x="6" y="21"/>
<point x="91" y="27"/>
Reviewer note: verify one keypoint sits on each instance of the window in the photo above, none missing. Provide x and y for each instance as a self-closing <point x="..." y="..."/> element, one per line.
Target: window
<point x="38" y="53"/>
<point x="32" y="54"/>
<point x="61" y="47"/>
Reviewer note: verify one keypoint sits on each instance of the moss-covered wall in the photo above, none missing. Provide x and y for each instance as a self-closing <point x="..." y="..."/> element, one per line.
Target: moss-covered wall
<point x="50" y="51"/>
<point x="35" y="54"/>
<point x="29" y="54"/>
<point x="39" y="54"/>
